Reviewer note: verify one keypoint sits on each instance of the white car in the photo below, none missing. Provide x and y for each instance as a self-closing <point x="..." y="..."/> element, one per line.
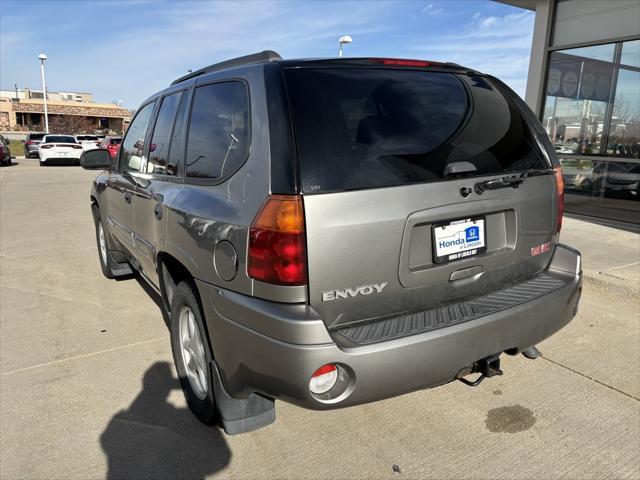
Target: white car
<point x="59" y="148"/>
<point x="88" y="142"/>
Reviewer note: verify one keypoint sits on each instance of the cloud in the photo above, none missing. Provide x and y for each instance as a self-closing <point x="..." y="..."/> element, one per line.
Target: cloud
<point x="494" y="44"/>
<point x="149" y="44"/>
<point x="431" y="9"/>
<point x="501" y="26"/>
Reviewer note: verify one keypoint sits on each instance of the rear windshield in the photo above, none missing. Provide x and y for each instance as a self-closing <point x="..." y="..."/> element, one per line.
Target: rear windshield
<point x="115" y="141"/>
<point x="87" y="137"/>
<point x="36" y="136"/>
<point x="59" y="139"/>
<point x="360" y="128"/>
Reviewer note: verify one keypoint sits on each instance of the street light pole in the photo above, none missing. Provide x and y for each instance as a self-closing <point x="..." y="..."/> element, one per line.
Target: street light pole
<point x="42" y="57"/>
<point x="344" y="39"/>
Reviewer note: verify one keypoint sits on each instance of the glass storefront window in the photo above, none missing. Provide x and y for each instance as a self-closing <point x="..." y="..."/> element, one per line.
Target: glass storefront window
<point x="631" y="53"/>
<point x="592" y="109"/>
<point x="603" y="189"/>
<point x="624" y="133"/>
<point x="578" y="91"/>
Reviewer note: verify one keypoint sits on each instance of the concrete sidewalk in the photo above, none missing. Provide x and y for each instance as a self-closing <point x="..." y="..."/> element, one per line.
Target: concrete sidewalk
<point x="88" y="389"/>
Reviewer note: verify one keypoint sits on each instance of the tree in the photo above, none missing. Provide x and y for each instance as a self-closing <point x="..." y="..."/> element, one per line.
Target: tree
<point x="71" y="124"/>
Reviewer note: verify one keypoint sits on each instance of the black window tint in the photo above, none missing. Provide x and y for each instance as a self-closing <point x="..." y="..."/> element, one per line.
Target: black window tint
<point x="384" y="127"/>
<point x="59" y="139"/>
<point x="159" y="147"/>
<point x="176" y="151"/>
<point x="131" y="154"/>
<point x="218" y="140"/>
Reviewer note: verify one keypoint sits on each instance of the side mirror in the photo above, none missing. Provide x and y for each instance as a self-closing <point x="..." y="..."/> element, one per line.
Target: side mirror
<point x="96" y="159"/>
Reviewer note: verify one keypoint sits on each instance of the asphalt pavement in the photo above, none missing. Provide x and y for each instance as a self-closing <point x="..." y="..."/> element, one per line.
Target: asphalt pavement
<point x="88" y="389"/>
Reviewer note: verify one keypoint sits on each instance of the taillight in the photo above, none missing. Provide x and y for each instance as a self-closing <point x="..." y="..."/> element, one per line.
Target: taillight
<point x="30" y="142"/>
<point x="277" y="243"/>
<point x="557" y="171"/>
<point x="77" y="147"/>
<point x="44" y="147"/>
<point x="404" y="63"/>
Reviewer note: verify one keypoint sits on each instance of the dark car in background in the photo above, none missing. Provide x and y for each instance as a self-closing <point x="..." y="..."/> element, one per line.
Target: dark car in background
<point x="5" y="151"/>
<point x="32" y="144"/>
<point x="397" y="229"/>
<point x="112" y="144"/>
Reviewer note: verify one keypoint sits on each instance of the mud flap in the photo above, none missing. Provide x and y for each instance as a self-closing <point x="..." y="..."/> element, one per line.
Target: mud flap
<point x="241" y="415"/>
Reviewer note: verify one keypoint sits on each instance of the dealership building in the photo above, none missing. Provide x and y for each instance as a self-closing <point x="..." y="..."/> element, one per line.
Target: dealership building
<point x="584" y="85"/>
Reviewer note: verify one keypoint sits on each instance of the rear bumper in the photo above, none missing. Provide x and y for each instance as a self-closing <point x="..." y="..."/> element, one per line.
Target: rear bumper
<point x="273" y="349"/>
<point x="59" y="160"/>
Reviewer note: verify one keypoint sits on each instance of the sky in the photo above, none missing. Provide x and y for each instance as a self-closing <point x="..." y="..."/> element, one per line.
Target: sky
<point x="129" y="49"/>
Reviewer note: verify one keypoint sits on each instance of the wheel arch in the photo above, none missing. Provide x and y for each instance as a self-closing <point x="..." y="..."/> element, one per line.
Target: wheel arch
<point x="171" y="272"/>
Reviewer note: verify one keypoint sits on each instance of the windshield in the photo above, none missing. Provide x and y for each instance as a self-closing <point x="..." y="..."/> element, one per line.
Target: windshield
<point x="364" y="128"/>
<point x="59" y="139"/>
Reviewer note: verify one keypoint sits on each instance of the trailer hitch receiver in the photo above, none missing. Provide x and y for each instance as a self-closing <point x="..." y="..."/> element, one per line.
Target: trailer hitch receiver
<point x="486" y="367"/>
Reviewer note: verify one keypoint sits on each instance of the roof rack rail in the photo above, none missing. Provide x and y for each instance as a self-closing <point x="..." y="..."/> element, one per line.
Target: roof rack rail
<point x="264" y="56"/>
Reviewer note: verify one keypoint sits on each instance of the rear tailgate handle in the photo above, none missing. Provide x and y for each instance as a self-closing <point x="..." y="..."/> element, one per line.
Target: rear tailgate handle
<point x="465" y="273"/>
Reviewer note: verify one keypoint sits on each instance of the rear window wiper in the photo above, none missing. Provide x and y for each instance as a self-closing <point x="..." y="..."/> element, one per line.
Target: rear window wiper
<point x="513" y="181"/>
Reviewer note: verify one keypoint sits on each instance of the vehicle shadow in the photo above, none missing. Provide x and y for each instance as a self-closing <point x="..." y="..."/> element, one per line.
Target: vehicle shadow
<point x="154" y="439"/>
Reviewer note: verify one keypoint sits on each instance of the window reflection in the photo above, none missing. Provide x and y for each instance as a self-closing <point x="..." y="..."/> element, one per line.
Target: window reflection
<point x="592" y="108"/>
<point x="624" y="134"/>
<point x="631" y="53"/>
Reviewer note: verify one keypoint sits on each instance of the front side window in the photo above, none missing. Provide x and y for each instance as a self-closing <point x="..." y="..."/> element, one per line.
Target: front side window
<point x="218" y="139"/>
<point x="159" y="148"/>
<point x="131" y="151"/>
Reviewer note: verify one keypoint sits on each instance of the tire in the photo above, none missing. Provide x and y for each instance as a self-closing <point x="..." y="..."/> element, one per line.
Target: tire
<point x="104" y="256"/>
<point x="586" y="185"/>
<point x="192" y="354"/>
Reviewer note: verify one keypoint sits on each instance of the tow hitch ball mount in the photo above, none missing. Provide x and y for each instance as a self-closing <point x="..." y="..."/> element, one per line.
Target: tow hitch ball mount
<point x="486" y="367"/>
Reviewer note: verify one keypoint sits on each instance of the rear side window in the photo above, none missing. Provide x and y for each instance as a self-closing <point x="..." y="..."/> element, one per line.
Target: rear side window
<point x="159" y="148"/>
<point x="383" y="127"/>
<point x="177" y="138"/>
<point x="218" y="139"/>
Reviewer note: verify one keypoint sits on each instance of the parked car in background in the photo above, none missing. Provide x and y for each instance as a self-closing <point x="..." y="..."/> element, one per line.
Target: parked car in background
<point x="32" y="144"/>
<point x="59" y="149"/>
<point x="333" y="249"/>
<point x="623" y="181"/>
<point x="112" y="144"/>
<point x="5" y="151"/>
<point x="88" y="141"/>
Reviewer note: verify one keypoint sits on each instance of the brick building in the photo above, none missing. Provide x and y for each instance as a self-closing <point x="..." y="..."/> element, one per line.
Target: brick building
<point x="69" y="112"/>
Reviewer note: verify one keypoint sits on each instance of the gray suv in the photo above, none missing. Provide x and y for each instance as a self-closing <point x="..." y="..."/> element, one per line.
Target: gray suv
<point x="334" y="232"/>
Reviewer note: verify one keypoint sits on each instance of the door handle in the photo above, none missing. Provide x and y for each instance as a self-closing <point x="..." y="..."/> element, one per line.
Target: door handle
<point x="127" y="197"/>
<point x="157" y="211"/>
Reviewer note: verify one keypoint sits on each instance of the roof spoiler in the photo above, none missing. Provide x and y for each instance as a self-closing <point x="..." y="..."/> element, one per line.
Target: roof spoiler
<point x="261" y="57"/>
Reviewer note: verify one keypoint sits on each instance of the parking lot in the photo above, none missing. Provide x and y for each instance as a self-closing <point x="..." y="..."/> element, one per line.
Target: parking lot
<point x="88" y="389"/>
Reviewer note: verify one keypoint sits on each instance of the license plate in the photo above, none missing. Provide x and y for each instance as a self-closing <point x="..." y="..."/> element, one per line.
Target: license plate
<point x="459" y="239"/>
